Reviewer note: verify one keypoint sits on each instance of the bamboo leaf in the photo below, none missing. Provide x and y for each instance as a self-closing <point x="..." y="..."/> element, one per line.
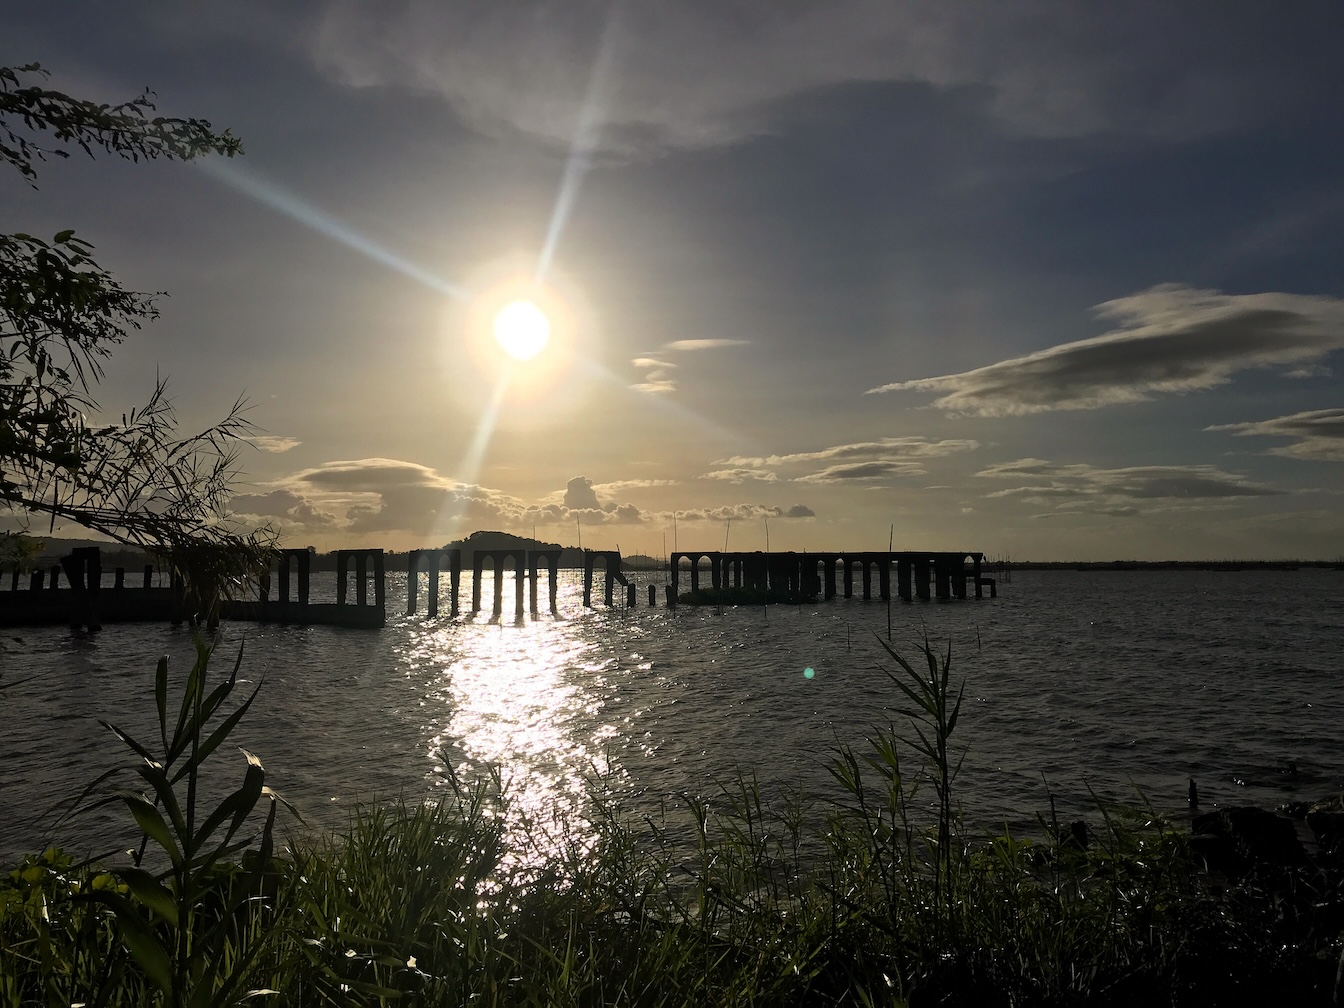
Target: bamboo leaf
<point x="218" y="736"/>
<point x="161" y="698"/>
<point x="150" y="892"/>
<point x="151" y="823"/>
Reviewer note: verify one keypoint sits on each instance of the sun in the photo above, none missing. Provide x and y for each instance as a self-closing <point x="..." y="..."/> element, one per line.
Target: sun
<point x="522" y="330"/>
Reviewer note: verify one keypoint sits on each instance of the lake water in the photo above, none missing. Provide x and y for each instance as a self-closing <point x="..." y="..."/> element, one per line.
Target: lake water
<point x="1076" y="683"/>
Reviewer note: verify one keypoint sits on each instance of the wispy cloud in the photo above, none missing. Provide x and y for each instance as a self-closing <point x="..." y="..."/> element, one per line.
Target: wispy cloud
<point x="1080" y="487"/>
<point x="1318" y="435"/>
<point x="859" y="461"/>
<point x="862" y="471"/>
<point x="683" y="345"/>
<point x="657" y="371"/>
<point x="1045" y="70"/>
<point x="621" y="486"/>
<point x="740" y="512"/>
<point x="741" y="475"/>
<point x="275" y="443"/>
<point x="1171" y="339"/>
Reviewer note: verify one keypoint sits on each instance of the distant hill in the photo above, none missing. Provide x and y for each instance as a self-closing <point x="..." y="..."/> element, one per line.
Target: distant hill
<point x="486" y="541"/>
<point x="114" y="554"/>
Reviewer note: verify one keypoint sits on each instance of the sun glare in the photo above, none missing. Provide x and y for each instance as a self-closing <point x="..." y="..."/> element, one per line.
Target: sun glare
<point x="522" y="330"/>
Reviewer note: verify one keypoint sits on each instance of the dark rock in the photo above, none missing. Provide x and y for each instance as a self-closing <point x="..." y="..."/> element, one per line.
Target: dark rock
<point x="1235" y="840"/>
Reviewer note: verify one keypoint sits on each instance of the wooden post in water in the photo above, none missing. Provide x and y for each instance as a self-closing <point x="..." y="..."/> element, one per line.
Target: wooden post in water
<point x="342" y="569"/>
<point x="412" y="580"/>
<point x="361" y="579"/>
<point x="454" y="580"/>
<point x="653" y="596"/>
<point x="305" y="577"/>
<point x="519" y="583"/>
<point x="499" y="584"/>
<point x="149" y="575"/>
<point x="432" y="572"/>
<point x="379" y="580"/>
<point x="119" y="578"/>
<point x="587" y="580"/>
<point x="903" y="579"/>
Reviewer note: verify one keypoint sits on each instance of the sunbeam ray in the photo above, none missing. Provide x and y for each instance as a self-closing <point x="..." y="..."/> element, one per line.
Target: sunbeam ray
<point x="470" y="467"/>
<point x="587" y="131"/>
<point x="273" y="196"/>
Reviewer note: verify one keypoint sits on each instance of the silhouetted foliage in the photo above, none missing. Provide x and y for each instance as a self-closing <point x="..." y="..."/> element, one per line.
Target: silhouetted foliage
<point x="134" y="479"/>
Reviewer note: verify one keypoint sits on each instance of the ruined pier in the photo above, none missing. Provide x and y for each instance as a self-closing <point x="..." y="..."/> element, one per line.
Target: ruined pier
<point x="919" y="575"/>
<point x="283" y="593"/>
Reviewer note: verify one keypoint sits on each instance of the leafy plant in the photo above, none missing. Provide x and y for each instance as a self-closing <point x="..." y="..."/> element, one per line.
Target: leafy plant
<point x="193" y="920"/>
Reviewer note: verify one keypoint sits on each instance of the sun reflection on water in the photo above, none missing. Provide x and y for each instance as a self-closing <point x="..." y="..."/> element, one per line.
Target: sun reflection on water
<point x="526" y="702"/>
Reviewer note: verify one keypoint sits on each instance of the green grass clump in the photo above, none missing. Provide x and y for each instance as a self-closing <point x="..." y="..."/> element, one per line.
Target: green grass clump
<point x="880" y="896"/>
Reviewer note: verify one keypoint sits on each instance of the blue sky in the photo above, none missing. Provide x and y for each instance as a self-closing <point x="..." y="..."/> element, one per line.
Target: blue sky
<point x="1039" y="279"/>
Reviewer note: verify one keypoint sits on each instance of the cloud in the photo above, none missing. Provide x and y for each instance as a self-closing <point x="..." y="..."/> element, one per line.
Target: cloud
<point x="685" y="345"/>
<point x="1318" y="434"/>
<point x="281" y="504"/>
<point x="739" y="512"/>
<point x="656" y="387"/>
<point x="579" y="495"/>
<point x="620" y="486"/>
<point x="691" y="75"/>
<point x="273" y="442"/>
<point x="860" y="460"/>
<point x="741" y="475"/>
<point x="657" y="380"/>
<point x="1171" y="339"/>
<point x="1080" y="487"/>
<point x="381" y="495"/>
<point x="873" y="470"/>
<point x="385" y="497"/>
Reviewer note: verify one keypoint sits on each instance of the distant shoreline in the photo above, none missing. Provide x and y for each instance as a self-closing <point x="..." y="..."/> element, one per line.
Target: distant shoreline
<point x="117" y="554"/>
<point x="1160" y="565"/>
